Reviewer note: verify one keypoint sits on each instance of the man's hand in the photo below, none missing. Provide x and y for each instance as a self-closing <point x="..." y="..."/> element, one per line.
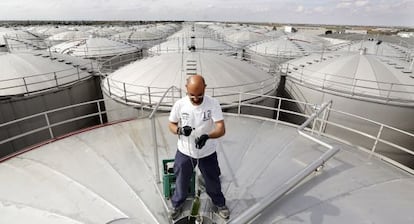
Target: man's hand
<point x="186" y="130"/>
<point x="201" y="141"/>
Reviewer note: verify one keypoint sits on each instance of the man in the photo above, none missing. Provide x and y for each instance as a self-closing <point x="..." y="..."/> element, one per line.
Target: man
<point x="197" y="119"/>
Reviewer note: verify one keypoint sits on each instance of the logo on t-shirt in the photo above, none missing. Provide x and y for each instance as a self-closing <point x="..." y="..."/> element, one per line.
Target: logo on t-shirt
<point x="185" y="116"/>
<point x="207" y="115"/>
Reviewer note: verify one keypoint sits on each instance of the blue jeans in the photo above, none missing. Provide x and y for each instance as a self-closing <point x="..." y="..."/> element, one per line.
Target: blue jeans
<point x="183" y="169"/>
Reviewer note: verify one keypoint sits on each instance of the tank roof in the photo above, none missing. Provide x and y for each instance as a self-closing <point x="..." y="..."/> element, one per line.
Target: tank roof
<point x="94" y="47"/>
<point x="36" y="70"/>
<point x="373" y="75"/>
<point x="223" y="75"/>
<point x="90" y="178"/>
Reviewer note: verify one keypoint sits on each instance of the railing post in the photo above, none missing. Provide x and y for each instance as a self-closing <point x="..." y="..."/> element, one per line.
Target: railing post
<point x="149" y="95"/>
<point x="100" y="112"/>
<point x="389" y="92"/>
<point x="54" y="74"/>
<point x="48" y="126"/>
<point x="278" y="109"/>
<point x="25" y="85"/>
<point x="125" y="95"/>
<point x="313" y="124"/>
<point x="376" y="140"/>
<point x="142" y="104"/>
<point x="262" y="88"/>
<point x="316" y="108"/>
<point x="239" y="106"/>
<point x="325" y="118"/>
<point x="323" y="82"/>
<point x="322" y="121"/>
<point x="353" y="86"/>
<point x="109" y="86"/>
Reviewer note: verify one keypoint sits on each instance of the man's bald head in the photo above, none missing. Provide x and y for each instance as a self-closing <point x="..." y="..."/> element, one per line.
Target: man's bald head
<point x="195" y="88"/>
<point x="196" y="80"/>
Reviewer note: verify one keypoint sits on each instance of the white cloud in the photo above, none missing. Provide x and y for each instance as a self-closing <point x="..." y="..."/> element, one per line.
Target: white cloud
<point x="300" y="8"/>
<point x="361" y="3"/>
<point x="344" y="5"/>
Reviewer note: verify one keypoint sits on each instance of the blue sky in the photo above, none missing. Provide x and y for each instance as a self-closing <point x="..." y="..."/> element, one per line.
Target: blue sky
<point x="354" y="12"/>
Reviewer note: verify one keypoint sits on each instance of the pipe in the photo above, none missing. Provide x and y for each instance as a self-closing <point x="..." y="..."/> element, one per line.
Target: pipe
<point x="255" y="210"/>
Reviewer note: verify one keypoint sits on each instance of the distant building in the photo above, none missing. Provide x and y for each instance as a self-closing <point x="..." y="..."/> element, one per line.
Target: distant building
<point x="406" y="34"/>
<point x="357" y="31"/>
<point x="289" y="29"/>
<point x="316" y="30"/>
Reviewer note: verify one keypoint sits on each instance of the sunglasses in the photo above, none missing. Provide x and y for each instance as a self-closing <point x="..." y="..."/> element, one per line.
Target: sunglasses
<point x="195" y="97"/>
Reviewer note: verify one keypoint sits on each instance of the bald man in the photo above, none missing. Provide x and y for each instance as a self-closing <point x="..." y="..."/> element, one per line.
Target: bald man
<point x="197" y="119"/>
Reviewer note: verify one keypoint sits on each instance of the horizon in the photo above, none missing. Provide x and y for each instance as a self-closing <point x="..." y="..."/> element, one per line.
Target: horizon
<point x="58" y="21"/>
<point x="383" y="13"/>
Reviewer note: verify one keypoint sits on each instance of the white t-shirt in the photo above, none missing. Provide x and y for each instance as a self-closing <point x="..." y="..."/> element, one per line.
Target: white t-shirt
<point x="201" y="118"/>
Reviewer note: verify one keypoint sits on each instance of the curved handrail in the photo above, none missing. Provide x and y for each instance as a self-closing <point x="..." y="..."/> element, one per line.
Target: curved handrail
<point x="315" y="114"/>
<point x="154" y="133"/>
<point x="159" y="102"/>
<point x="249" y="214"/>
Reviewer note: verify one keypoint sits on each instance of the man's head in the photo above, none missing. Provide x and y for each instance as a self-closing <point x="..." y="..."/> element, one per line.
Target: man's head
<point x="195" y="89"/>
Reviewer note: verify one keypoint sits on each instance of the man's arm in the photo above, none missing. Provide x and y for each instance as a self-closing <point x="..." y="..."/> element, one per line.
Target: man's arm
<point x="173" y="126"/>
<point x="218" y="131"/>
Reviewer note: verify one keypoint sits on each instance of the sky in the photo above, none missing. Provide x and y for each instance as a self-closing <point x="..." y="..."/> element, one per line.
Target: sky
<point x="341" y="12"/>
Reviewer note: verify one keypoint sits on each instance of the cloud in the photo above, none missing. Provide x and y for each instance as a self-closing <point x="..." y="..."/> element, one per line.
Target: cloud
<point x="386" y="12"/>
<point x="360" y="3"/>
<point x="351" y="3"/>
<point x="343" y="5"/>
<point x="300" y="8"/>
<point x="319" y="9"/>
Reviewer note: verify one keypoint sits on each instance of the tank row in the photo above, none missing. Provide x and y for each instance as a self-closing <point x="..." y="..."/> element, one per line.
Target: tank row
<point x="135" y="65"/>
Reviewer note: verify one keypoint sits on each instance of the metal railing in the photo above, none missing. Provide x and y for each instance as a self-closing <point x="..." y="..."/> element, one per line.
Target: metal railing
<point x="45" y="118"/>
<point x="111" y="64"/>
<point x="255" y="210"/>
<point x="371" y="89"/>
<point x="40" y="82"/>
<point x="320" y="125"/>
<point x="23" y="42"/>
<point x="377" y="136"/>
<point x="97" y="52"/>
<point x="314" y="120"/>
<point x="148" y="96"/>
<point x="181" y="44"/>
<point x="49" y="126"/>
<point x="154" y="133"/>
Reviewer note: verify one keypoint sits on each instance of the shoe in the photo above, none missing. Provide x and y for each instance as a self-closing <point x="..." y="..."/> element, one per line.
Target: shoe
<point x="223" y="212"/>
<point x="175" y="212"/>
